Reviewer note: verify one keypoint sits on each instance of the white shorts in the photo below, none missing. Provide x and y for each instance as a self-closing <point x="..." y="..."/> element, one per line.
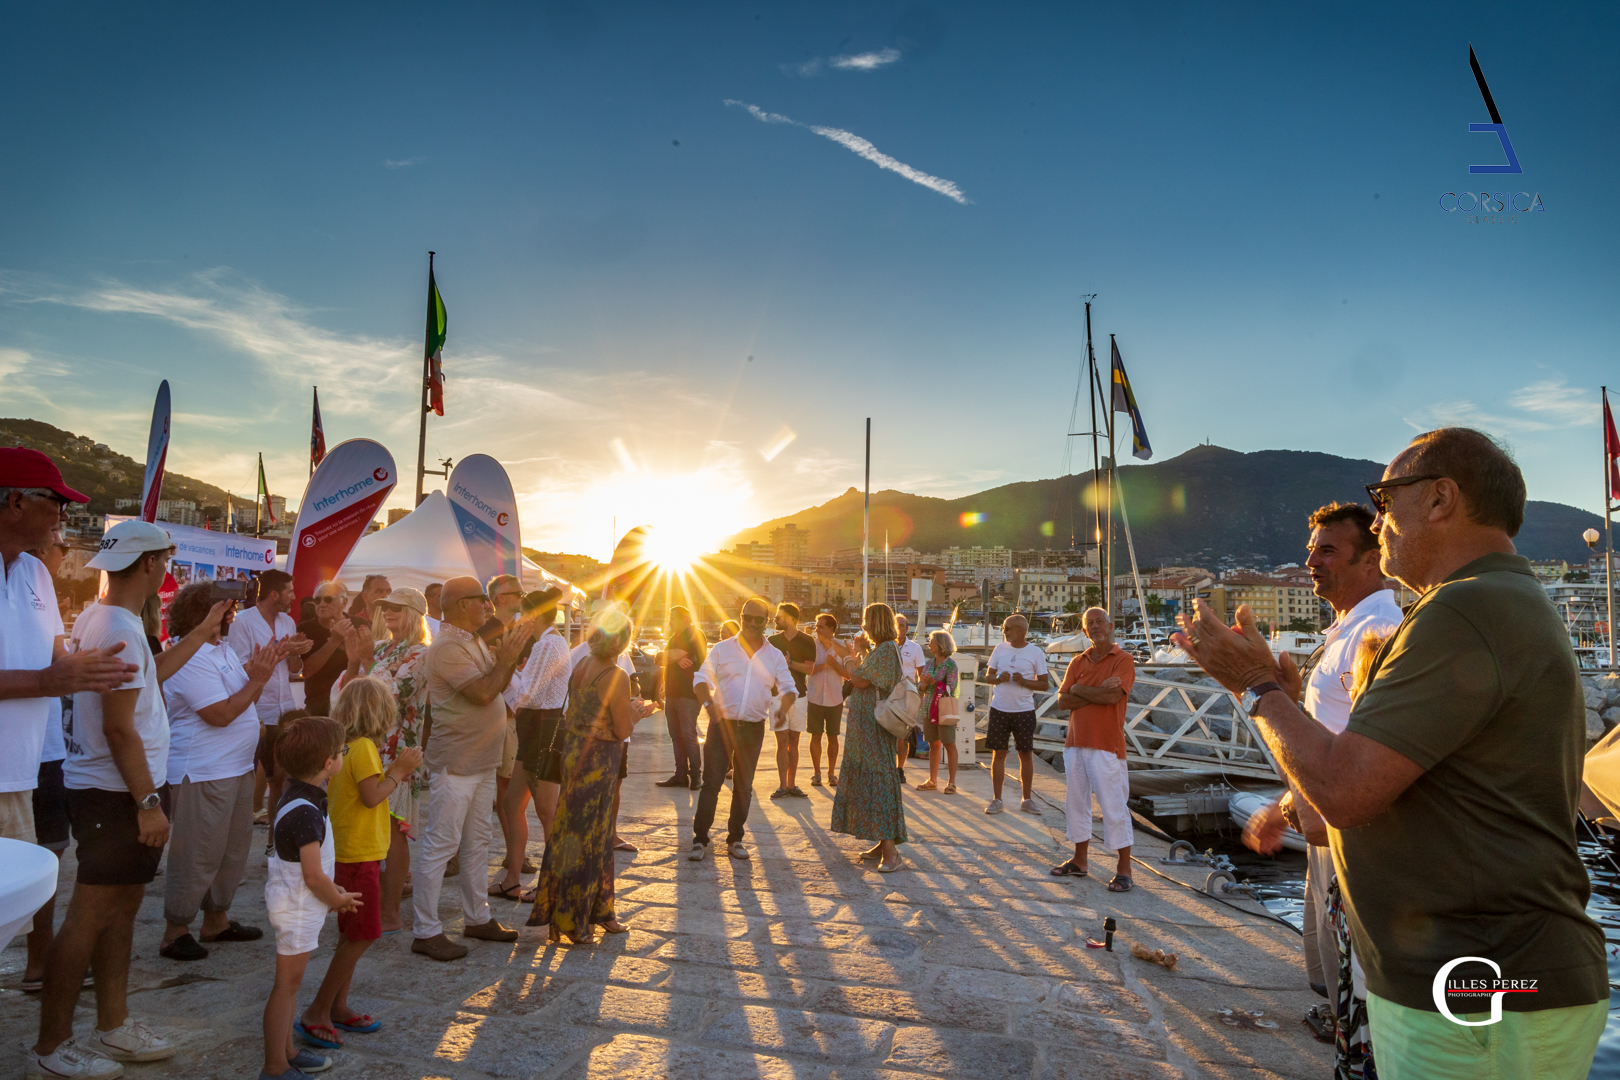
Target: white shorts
<point x="798" y="718"/>
<point x="1089" y="772"/>
<point x="296" y="915"/>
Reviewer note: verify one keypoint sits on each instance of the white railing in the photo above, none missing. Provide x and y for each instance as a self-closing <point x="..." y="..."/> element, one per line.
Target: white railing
<point x="1185" y="726"/>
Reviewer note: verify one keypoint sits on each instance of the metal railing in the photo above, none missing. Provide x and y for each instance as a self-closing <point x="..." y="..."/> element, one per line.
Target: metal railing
<point x="1183" y="726"/>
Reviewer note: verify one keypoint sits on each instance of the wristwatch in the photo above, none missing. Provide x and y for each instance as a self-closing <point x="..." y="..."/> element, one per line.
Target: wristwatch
<point x="151" y="802"/>
<point x="1252" y="696"/>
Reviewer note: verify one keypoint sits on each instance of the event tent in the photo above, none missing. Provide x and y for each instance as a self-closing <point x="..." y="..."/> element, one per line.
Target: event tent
<point x="423" y="547"/>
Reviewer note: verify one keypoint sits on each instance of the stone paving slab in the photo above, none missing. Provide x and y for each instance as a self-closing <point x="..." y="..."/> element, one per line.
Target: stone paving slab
<point x="799" y="963"/>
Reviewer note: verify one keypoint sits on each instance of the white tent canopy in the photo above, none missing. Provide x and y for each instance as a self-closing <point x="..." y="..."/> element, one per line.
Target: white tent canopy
<point x="424" y="547"/>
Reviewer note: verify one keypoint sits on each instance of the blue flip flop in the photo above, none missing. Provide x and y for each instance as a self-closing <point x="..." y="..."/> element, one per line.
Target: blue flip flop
<point x="365" y="1025"/>
<point x="315" y="1040"/>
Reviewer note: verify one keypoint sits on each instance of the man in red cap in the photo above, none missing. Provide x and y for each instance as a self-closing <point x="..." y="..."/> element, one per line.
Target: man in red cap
<point x="35" y="667"/>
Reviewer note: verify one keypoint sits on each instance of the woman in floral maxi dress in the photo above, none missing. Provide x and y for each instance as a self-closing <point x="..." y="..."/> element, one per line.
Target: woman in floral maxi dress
<point x="397" y="664"/>
<point x="868" y="801"/>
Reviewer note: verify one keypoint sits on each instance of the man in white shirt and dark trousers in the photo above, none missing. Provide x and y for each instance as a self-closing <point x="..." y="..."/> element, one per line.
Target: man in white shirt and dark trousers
<point x="1345" y="571"/>
<point x="739" y="683"/>
<point x="1017" y="669"/>
<point x="912" y="661"/>
<point x="260" y="626"/>
<point x="118" y="751"/>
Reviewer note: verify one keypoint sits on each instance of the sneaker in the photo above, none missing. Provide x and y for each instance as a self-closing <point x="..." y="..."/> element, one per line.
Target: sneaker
<point x="779" y="793"/>
<point x="308" y="1061"/>
<point x="699" y="852"/>
<point x="995" y="807"/>
<point x="1028" y="806"/>
<point x="131" y="1041"/>
<point x="737" y="851"/>
<point x="70" y="1061"/>
<point x="489" y="931"/>
<point x="674" y="781"/>
<point x="438" y="947"/>
<point x="797" y="793"/>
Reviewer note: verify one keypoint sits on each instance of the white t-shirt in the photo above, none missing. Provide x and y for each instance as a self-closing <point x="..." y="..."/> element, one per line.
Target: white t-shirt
<point x="30" y="623"/>
<point x="198" y="750"/>
<point x="55" y="747"/>
<point x="432" y="625"/>
<point x="250" y="632"/>
<point x="89" y="763"/>
<point x="1028" y="661"/>
<point x="1326" y="696"/>
<point x="912" y="659"/>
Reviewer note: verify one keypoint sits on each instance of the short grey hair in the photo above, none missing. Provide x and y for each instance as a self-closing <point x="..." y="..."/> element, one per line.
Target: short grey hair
<point x="942" y="640"/>
<point x="342" y="590"/>
<point x="1103" y="610"/>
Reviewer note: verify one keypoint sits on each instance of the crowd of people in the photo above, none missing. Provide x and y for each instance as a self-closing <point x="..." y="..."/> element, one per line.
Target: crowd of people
<point x="1416" y="747"/>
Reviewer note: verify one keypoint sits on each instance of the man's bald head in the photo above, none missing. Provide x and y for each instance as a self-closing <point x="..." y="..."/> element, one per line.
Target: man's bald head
<point x="1015" y="628"/>
<point x="464" y="603"/>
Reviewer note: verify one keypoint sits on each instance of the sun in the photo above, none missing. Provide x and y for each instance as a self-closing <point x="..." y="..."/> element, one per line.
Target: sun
<point x="675" y="546"/>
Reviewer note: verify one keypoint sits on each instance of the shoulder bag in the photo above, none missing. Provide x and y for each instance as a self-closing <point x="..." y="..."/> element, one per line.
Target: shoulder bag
<point x="548" y="762"/>
<point x="897" y="713"/>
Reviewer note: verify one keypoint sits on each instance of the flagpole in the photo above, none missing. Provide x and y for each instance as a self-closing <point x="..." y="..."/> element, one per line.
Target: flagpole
<point x="258" y="507"/>
<point x="1608" y="523"/>
<point x="421" y="438"/>
<point x="866" y="523"/>
<point x="1096" y="507"/>
<point x="1113" y="464"/>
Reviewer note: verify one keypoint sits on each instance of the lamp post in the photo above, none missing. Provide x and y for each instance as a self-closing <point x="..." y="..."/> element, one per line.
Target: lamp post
<point x="1591" y="537"/>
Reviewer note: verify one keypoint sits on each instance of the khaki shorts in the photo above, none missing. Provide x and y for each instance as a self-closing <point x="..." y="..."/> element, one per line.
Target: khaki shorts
<point x="798" y="718"/>
<point x="17" y="816"/>
<point x="509" y="748"/>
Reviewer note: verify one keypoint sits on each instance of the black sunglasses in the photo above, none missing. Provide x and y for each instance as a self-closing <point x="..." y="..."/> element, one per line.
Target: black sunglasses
<point x="480" y="597"/>
<point x="1376" y="491"/>
<point x="754" y="619"/>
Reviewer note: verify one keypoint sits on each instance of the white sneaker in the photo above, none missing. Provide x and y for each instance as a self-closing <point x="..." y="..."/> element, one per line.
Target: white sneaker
<point x="995" y="807"/>
<point x="131" y="1041"/>
<point x="1029" y="807"/>
<point x="70" y="1061"/>
<point x="699" y="851"/>
<point x="737" y="851"/>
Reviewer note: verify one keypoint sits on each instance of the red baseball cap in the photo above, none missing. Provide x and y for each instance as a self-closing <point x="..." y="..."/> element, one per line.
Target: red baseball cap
<point x="24" y="468"/>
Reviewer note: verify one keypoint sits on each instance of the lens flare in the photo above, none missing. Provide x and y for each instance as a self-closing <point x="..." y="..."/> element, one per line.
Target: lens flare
<point x="973" y="517"/>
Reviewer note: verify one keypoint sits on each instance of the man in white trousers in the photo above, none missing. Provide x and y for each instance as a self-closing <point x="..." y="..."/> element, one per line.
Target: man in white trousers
<point x="1095" y="690"/>
<point x="465" y="680"/>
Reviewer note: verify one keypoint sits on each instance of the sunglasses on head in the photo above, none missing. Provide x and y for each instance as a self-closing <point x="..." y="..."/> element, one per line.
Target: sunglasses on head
<point x="1378" y="492"/>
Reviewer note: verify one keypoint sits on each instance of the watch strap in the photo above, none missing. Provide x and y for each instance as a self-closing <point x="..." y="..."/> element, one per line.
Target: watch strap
<point x="1260" y="690"/>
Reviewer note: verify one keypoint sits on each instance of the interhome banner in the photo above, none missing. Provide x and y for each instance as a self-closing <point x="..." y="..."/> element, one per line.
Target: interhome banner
<point x="486" y="516"/>
<point x="157" y="453"/>
<point x="344" y="495"/>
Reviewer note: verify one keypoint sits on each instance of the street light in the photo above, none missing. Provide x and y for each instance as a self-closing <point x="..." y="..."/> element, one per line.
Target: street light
<point x="1591" y="537"/>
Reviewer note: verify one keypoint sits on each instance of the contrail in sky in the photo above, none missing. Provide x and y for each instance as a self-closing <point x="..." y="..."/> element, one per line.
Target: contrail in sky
<point x="853" y="142"/>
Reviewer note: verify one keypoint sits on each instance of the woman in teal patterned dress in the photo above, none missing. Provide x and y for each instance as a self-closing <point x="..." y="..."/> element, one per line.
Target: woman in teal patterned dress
<point x="575" y="891"/>
<point x="868" y="801"/>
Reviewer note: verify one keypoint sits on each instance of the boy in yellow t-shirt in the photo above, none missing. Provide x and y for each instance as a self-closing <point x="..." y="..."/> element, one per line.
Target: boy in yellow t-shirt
<point x="357" y="801"/>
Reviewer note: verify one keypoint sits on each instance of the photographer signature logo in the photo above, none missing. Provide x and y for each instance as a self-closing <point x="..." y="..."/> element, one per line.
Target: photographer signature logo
<point x="1446" y="990"/>
<point x="1492" y="207"/>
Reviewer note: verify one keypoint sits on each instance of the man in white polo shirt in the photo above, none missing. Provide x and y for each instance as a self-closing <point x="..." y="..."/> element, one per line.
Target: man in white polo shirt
<point x="1345" y="571"/>
<point x="739" y="682"/>
<point x="1017" y="669"/>
<point x="264" y="624"/>
<point x="912" y="661"/>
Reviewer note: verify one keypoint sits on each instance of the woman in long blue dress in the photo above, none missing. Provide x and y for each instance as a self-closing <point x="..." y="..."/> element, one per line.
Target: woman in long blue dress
<point x="868" y="801"/>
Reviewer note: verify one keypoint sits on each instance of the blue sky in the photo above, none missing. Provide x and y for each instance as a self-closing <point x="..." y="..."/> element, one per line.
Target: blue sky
<point x="242" y="202"/>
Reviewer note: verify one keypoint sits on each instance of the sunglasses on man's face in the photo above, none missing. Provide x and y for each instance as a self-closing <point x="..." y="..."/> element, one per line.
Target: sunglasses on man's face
<point x="479" y="598"/>
<point x="1379" y="492"/>
<point x="754" y="620"/>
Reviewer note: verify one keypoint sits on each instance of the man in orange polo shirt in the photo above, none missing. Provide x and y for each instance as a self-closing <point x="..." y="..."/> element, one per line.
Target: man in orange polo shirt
<point x="1095" y="690"/>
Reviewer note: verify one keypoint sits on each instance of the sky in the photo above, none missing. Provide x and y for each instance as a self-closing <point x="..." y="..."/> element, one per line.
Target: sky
<point x="687" y="250"/>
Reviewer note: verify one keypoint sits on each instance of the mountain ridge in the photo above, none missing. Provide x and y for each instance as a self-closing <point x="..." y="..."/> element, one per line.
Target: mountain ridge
<point x="1207" y="503"/>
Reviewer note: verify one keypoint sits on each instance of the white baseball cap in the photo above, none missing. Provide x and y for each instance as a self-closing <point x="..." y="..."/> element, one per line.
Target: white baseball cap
<point x="127" y="541"/>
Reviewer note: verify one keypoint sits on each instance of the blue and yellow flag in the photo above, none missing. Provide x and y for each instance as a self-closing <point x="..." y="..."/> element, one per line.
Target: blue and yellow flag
<point x="1125" y="402"/>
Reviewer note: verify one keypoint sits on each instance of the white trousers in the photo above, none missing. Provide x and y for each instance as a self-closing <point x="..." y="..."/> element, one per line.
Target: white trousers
<point x="1089" y="772"/>
<point x="458" y="810"/>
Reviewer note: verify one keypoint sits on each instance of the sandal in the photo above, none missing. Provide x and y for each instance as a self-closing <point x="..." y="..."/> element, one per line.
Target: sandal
<point x="309" y="1036"/>
<point x="1121" y="883"/>
<point x="528" y="896"/>
<point x="365" y="1025"/>
<point x="625" y="845"/>
<point x="815" y="781"/>
<point x="832" y="781"/>
<point x="1069" y="869"/>
<point x="950" y="789"/>
<point x="615" y="927"/>
<point x="505" y="893"/>
<point x="928" y="785"/>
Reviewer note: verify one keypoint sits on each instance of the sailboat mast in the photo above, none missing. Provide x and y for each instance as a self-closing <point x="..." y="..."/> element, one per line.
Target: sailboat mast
<point x="1608" y="526"/>
<point x="1091" y="378"/>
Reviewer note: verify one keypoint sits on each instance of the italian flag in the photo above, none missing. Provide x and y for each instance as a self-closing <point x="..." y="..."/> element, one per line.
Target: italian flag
<point x="436" y="323"/>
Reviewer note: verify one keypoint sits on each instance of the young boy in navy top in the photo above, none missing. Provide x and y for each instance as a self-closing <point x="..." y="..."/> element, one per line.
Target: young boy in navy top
<point x="298" y="891"/>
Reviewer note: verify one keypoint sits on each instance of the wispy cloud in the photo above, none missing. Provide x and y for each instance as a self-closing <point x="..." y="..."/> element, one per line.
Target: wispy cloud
<point x="1560" y="402"/>
<point x="1548" y="405"/>
<point x="864" y="148"/>
<point x="866" y="61"/>
<point x="402" y="163"/>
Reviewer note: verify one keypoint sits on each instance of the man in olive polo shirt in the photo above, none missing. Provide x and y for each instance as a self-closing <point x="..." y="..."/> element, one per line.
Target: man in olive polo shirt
<point x="1450" y="797"/>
